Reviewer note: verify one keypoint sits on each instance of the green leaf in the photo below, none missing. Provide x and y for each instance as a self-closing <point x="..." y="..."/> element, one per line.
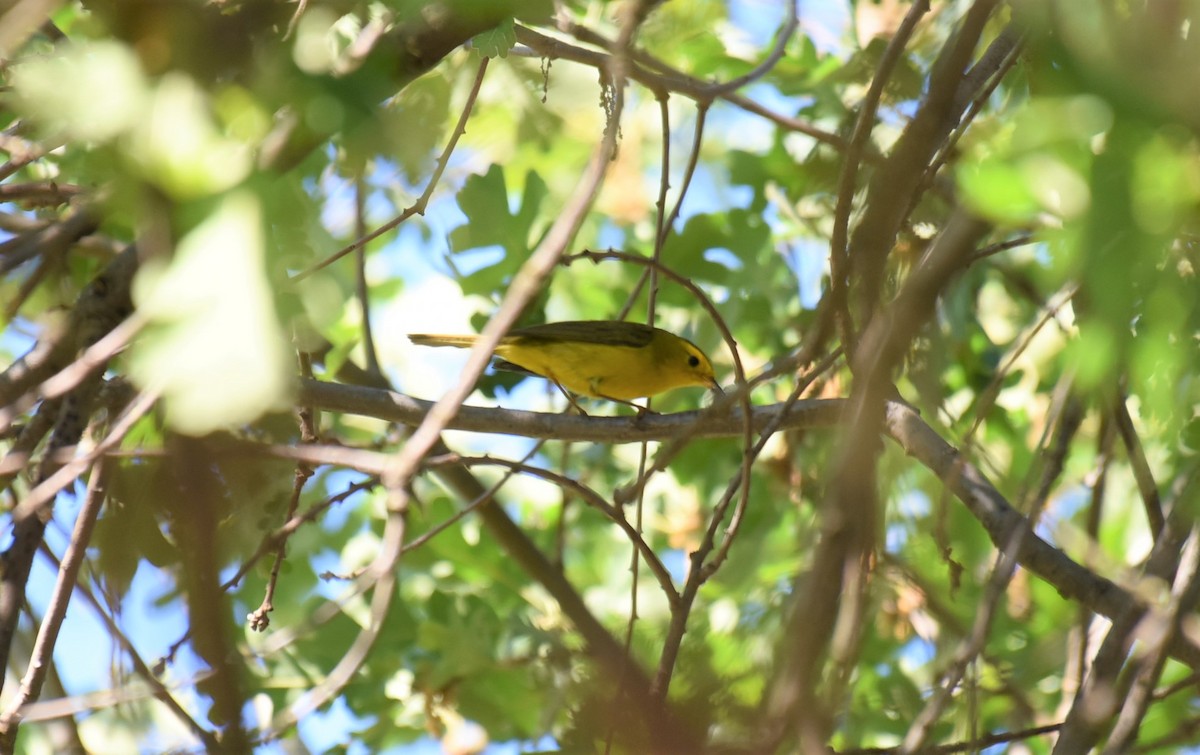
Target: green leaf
<point x="496" y="42"/>
<point x="213" y="325"/>
<point x="491" y="222"/>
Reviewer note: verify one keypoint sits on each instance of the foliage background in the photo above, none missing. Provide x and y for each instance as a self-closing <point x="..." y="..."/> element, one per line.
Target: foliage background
<point x="989" y="205"/>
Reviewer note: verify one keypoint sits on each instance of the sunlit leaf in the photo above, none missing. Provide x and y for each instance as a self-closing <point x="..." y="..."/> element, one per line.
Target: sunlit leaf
<point x="61" y="91"/>
<point x="215" y="350"/>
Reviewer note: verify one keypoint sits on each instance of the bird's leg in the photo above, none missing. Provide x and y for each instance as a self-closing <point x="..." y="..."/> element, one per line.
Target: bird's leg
<point x="597" y="393"/>
<point x="570" y="399"/>
<point x="641" y="410"/>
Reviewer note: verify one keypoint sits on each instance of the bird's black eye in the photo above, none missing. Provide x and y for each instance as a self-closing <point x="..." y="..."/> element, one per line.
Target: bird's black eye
<point x="694" y="361"/>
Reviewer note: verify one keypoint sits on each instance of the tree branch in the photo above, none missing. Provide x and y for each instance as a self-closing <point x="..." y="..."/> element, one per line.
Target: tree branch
<point x="396" y="407"/>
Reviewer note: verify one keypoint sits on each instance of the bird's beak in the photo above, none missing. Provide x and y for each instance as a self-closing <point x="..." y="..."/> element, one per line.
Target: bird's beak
<point x="716" y="386"/>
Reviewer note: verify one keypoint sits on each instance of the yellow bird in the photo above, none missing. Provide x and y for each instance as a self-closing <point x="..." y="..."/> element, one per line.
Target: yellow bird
<point x="618" y="361"/>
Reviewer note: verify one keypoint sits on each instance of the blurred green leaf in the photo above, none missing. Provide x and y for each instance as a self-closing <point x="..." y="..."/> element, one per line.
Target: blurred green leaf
<point x="214" y="325"/>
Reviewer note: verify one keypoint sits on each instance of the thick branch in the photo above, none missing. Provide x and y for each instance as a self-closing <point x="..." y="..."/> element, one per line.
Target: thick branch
<point x="891" y="190"/>
<point x="396" y="407"/>
<point x="1002" y="521"/>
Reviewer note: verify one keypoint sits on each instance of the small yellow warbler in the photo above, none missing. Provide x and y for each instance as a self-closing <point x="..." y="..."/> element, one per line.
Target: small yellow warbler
<point x="618" y="361"/>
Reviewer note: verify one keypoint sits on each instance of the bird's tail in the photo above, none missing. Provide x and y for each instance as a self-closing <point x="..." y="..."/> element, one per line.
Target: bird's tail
<point x="435" y="339"/>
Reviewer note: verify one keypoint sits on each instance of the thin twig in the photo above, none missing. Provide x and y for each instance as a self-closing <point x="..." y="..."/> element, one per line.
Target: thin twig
<point x="362" y="291"/>
<point x="753" y="453"/>
<point x="39" y="193"/>
<point x="992" y="250"/>
<point x="56" y="611"/>
<point x="382" y="573"/>
<point x="38" y="499"/>
<point x="662" y="78"/>
<point x="90" y="361"/>
<point x="667" y="226"/>
<point x="471" y="506"/>
<point x="272" y="540"/>
<point x="791" y="20"/>
<point x="974" y="745"/>
<point x="864" y="123"/>
<point x="1142" y="474"/>
<point x="158" y="689"/>
<point x="651" y="274"/>
<point x="985" y="399"/>
<point x="589" y="496"/>
<point x="259" y="619"/>
<point x="418" y="207"/>
<point x="1079" y="653"/>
